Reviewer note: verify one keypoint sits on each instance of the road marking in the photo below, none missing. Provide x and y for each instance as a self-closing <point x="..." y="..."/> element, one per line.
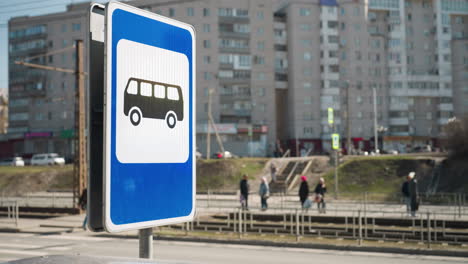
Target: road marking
<point x="79" y="238"/>
<point x="20" y="252"/>
<point x="12" y="245"/>
<point x="60" y="248"/>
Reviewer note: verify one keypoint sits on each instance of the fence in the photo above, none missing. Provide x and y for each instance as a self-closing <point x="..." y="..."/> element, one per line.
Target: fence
<point x="358" y="226"/>
<point x="448" y="205"/>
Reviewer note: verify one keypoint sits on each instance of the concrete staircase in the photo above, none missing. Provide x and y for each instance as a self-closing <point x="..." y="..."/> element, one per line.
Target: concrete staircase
<point x="288" y="175"/>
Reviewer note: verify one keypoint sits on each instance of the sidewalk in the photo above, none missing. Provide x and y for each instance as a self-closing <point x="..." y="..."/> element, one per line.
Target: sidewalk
<point x="72" y="224"/>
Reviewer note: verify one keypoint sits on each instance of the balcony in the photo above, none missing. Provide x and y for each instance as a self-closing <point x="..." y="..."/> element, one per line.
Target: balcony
<point x="232" y="34"/>
<point x="331" y="91"/>
<point x="227" y="98"/>
<point x="399" y="121"/>
<point x="244" y="50"/>
<point x="398" y="107"/>
<point x="233" y="19"/>
<point x="236" y="112"/>
<point x="281" y="85"/>
<point x="443" y="121"/>
<point x="445" y="107"/>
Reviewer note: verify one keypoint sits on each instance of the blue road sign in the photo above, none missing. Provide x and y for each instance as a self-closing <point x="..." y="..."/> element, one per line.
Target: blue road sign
<point x="149" y="119"/>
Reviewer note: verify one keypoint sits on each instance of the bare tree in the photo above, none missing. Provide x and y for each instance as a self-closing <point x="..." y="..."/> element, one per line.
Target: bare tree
<point x="456" y="141"/>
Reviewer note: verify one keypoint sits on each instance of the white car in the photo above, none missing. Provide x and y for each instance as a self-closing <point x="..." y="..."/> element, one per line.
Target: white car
<point x="47" y="159"/>
<point x="15" y="161"/>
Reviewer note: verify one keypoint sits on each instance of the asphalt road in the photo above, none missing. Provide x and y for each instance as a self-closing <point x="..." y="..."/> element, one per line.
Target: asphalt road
<point x="18" y="246"/>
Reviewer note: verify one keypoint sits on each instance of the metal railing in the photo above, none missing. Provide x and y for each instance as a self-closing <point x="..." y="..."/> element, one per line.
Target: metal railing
<point x="359" y="226"/>
<point x="12" y="210"/>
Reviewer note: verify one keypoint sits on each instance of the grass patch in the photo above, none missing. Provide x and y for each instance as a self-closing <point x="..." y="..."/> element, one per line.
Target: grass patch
<point x="226" y="174"/>
<point x="380" y="175"/>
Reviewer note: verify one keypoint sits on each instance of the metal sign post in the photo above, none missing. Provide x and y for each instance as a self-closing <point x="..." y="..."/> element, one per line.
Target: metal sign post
<point x="148" y="121"/>
<point x="336" y="146"/>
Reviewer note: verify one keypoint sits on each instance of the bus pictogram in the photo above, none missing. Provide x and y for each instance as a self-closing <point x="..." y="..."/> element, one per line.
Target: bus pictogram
<point x="150" y="99"/>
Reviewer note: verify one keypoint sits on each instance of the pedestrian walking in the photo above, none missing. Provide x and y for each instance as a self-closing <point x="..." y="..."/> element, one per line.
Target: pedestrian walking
<point x="273" y="172"/>
<point x="83" y="202"/>
<point x="303" y="190"/>
<point x="244" y="192"/>
<point x="320" y="191"/>
<point x="264" y="193"/>
<point x="409" y="190"/>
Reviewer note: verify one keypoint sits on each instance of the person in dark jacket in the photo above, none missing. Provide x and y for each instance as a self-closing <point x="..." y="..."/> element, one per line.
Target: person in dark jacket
<point x="320" y="191"/>
<point x="303" y="190"/>
<point x="83" y="203"/>
<point x="244" y="192"/>
<point x="409" y="190"/>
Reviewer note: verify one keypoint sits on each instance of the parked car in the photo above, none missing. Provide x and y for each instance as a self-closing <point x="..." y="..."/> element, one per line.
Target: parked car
<point x="223" y="155"/>
<point x="47" y="159"/>
<point x="15" y="161"/>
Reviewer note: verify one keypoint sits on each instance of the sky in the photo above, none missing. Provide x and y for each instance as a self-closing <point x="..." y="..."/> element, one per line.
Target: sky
<point x="9" y="9"/>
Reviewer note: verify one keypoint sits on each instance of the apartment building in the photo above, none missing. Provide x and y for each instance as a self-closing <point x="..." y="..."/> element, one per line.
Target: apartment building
<point x="268" y="71"/>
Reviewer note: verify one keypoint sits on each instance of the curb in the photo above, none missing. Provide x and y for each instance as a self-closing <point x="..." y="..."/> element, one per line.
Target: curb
<point x="388" y="250"/>
<point x="353" y="248"/>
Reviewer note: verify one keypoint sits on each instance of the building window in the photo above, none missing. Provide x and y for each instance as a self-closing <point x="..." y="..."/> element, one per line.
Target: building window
<point x="356" y="11"/>
<point x="307" y="56"/>
<point x="207" y="59"/>
<point x="260" y="31"/>
<point x="171" y="12"/>
<point x="307" y="86"/>
<point x="206" y="44"/>
<point x="304" y="11"/>
<point x="308" y="43"/>
<point x="308" y="100"/>
<point x="206" y="27"/>
<point x="206" y="12"/>
<point x="206" y="76"/>
<point x="305" y="27"/>
<point x="261" y="91"/>
<point x="259" y="60"/>
<point x="76" y="26"/>
<point x="261" y="45"/>
<point x="308" y="131"/>
<point x="260" y="15"/>
<point x="64" y="28"/>
<point x="190" y="11"/>
<point x="261" y="76"/>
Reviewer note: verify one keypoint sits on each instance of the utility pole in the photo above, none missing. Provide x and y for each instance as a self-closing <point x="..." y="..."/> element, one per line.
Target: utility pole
<point x="79" y="168"/>
<point x="208" y="129"/>
<point x="376" y="139"/>
<point x="348" y="121"/>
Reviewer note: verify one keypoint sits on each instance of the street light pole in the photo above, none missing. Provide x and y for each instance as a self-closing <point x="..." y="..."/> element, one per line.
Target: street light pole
<point x="208" y="129"/>
<point x="348" y="119"/>
<point x="376" y="142"/>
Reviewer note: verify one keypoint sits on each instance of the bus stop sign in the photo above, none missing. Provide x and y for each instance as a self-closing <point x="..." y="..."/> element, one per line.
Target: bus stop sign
<point x="149" y="111"/>
<point x="335" y="141"/>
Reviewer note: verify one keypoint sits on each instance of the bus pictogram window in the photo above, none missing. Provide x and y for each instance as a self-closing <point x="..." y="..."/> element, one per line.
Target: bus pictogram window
<point x="172" y="93"/>
<point x="159" y="91"/>
<point x="132" y="87"/>
<point x="145" y="89"/>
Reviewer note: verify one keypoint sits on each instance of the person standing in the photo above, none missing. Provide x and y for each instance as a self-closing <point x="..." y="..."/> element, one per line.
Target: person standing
<point x="264" y="193"/>
<point x="83" y="202"/>
<point x="303" y="190"/>
<point x="244" y="192"/>
<point x="320" y="191"/>
<point x="273" y="172"/>
<point x="410" y="194"/>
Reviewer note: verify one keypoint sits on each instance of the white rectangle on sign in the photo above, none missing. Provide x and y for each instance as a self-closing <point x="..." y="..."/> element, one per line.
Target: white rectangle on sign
<point x="152" y="120"/>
